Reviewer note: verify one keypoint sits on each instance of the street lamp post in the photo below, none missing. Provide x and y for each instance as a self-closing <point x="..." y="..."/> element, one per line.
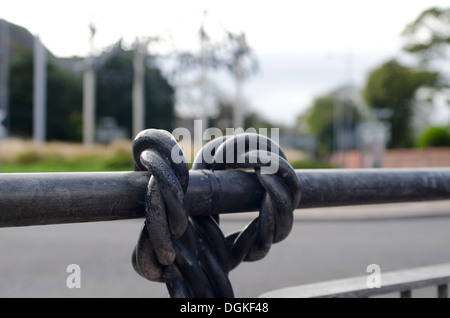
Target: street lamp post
<point x="39" y="91"/>
<point x="4" y="77"/>
<point x="89" y="94"/>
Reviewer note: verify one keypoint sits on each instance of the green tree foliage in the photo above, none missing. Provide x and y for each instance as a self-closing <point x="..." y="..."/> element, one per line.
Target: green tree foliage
<point x="224" y="118"/>
<point x="114" y="93"/>
<point x="319" y="120"/>
<point x="64" y="97"/>
<point x="63" y="100"/>
<point x="428" y="39"/>
<point x="326" y="110"/>
<point x="160" y="100"/>
<point x="429" y="34"/>
<point x="393" y="86"/>
<point x="434" y="137"/>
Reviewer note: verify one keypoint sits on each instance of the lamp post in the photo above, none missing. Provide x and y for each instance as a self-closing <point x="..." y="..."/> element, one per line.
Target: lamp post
<point x="89" y="94"/>
<point x="39" y="92"/>
<point x="138" y="89"/>
<point x="340" y="110"/>
<point x="4" y="77"/>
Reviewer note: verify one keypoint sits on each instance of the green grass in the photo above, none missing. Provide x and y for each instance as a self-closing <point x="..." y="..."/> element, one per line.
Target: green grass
<point x="310" y="164"/>
<point x="24" y="156"/>
<point x="32" y="162"/>
<point x="120" y="161"/>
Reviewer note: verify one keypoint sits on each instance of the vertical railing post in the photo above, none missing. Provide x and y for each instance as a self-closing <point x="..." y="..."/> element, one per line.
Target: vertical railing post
<point x="443" y="291"/>
<point x="406" y="294"/>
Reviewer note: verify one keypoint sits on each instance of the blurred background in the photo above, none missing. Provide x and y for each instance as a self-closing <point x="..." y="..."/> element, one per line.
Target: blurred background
<point x="348" y="84"/>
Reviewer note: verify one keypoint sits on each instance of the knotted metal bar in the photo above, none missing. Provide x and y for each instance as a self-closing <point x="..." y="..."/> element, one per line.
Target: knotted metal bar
<point x="189" y="253"/>
<point x="52" y="198"/>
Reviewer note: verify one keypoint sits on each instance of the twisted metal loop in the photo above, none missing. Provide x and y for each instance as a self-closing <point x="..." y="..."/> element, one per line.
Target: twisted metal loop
<point x="165" y="205"/>
<point x="170" y="247"/>
<point x="275" y="218"/>
<point x="191" y="254"/>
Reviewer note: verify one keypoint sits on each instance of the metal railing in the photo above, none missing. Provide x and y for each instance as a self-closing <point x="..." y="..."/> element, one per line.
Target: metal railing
<point x="52" y="198"/>
<point x="403" y="282"/>
<point x="181" y="242"/>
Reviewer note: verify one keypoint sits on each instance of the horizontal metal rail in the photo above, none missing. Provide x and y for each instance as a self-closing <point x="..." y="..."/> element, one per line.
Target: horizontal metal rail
<point x="52" y="198"/>
<point x="402" y="282"/>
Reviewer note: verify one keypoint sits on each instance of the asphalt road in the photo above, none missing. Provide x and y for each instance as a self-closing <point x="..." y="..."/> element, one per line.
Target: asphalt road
<point x="34" y="260"/>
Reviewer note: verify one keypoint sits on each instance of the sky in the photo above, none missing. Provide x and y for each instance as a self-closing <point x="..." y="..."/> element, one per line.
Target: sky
<point x="304" y="48"/>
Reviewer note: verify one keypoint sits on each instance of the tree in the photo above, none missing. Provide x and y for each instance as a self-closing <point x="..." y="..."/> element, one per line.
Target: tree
<point x="224" y="117"/>
<point x="428" y="39"/>
<point x="232" y="53"/>
<point x="429" y="34"/>
<point x="242" y="63"/>
<point x="328" y="110"/>
<point x="393" y="86"/>
<point x="434" y="137"/>
<point x="195" y="88"/>
<point x="114" y="93"/>
<point x="64" y="97"/>
<point x="63" y="100"/>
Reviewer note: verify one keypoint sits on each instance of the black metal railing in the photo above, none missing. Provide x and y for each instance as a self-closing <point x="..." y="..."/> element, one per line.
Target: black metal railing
<point x="181" y="243"/>
<point x="53" y="198"/>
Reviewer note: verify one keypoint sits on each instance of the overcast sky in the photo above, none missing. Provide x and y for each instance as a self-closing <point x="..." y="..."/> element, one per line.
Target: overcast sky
<point x="305" y="48"/>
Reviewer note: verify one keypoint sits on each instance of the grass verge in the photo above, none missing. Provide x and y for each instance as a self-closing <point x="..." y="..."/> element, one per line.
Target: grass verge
<point x="25" y="156"/>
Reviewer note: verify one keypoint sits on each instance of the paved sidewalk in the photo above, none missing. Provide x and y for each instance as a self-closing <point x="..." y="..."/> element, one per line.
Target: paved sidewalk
<point x="35" y="259"/>
<point x="365" y="212"/>
<point x="377" y="211"/>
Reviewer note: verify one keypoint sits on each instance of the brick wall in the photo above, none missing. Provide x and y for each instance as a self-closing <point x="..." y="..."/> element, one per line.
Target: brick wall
<point x="396" y="158"/>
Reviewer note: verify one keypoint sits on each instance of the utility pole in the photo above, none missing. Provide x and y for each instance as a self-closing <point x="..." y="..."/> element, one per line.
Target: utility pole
<point x="140" y="53"/>
<point x="138" y="89"/>
<point x="238" y="112"/>
<point x="138" y="93"/>
<point x="342" y="113"/>
<point x="89" y="94"/>
<point x="39" y="92"/>
<point x="4" y="78"/>
<point x="203" y="77"/>
<point x="198" y="129"/>
<point x="240" y="55"/>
